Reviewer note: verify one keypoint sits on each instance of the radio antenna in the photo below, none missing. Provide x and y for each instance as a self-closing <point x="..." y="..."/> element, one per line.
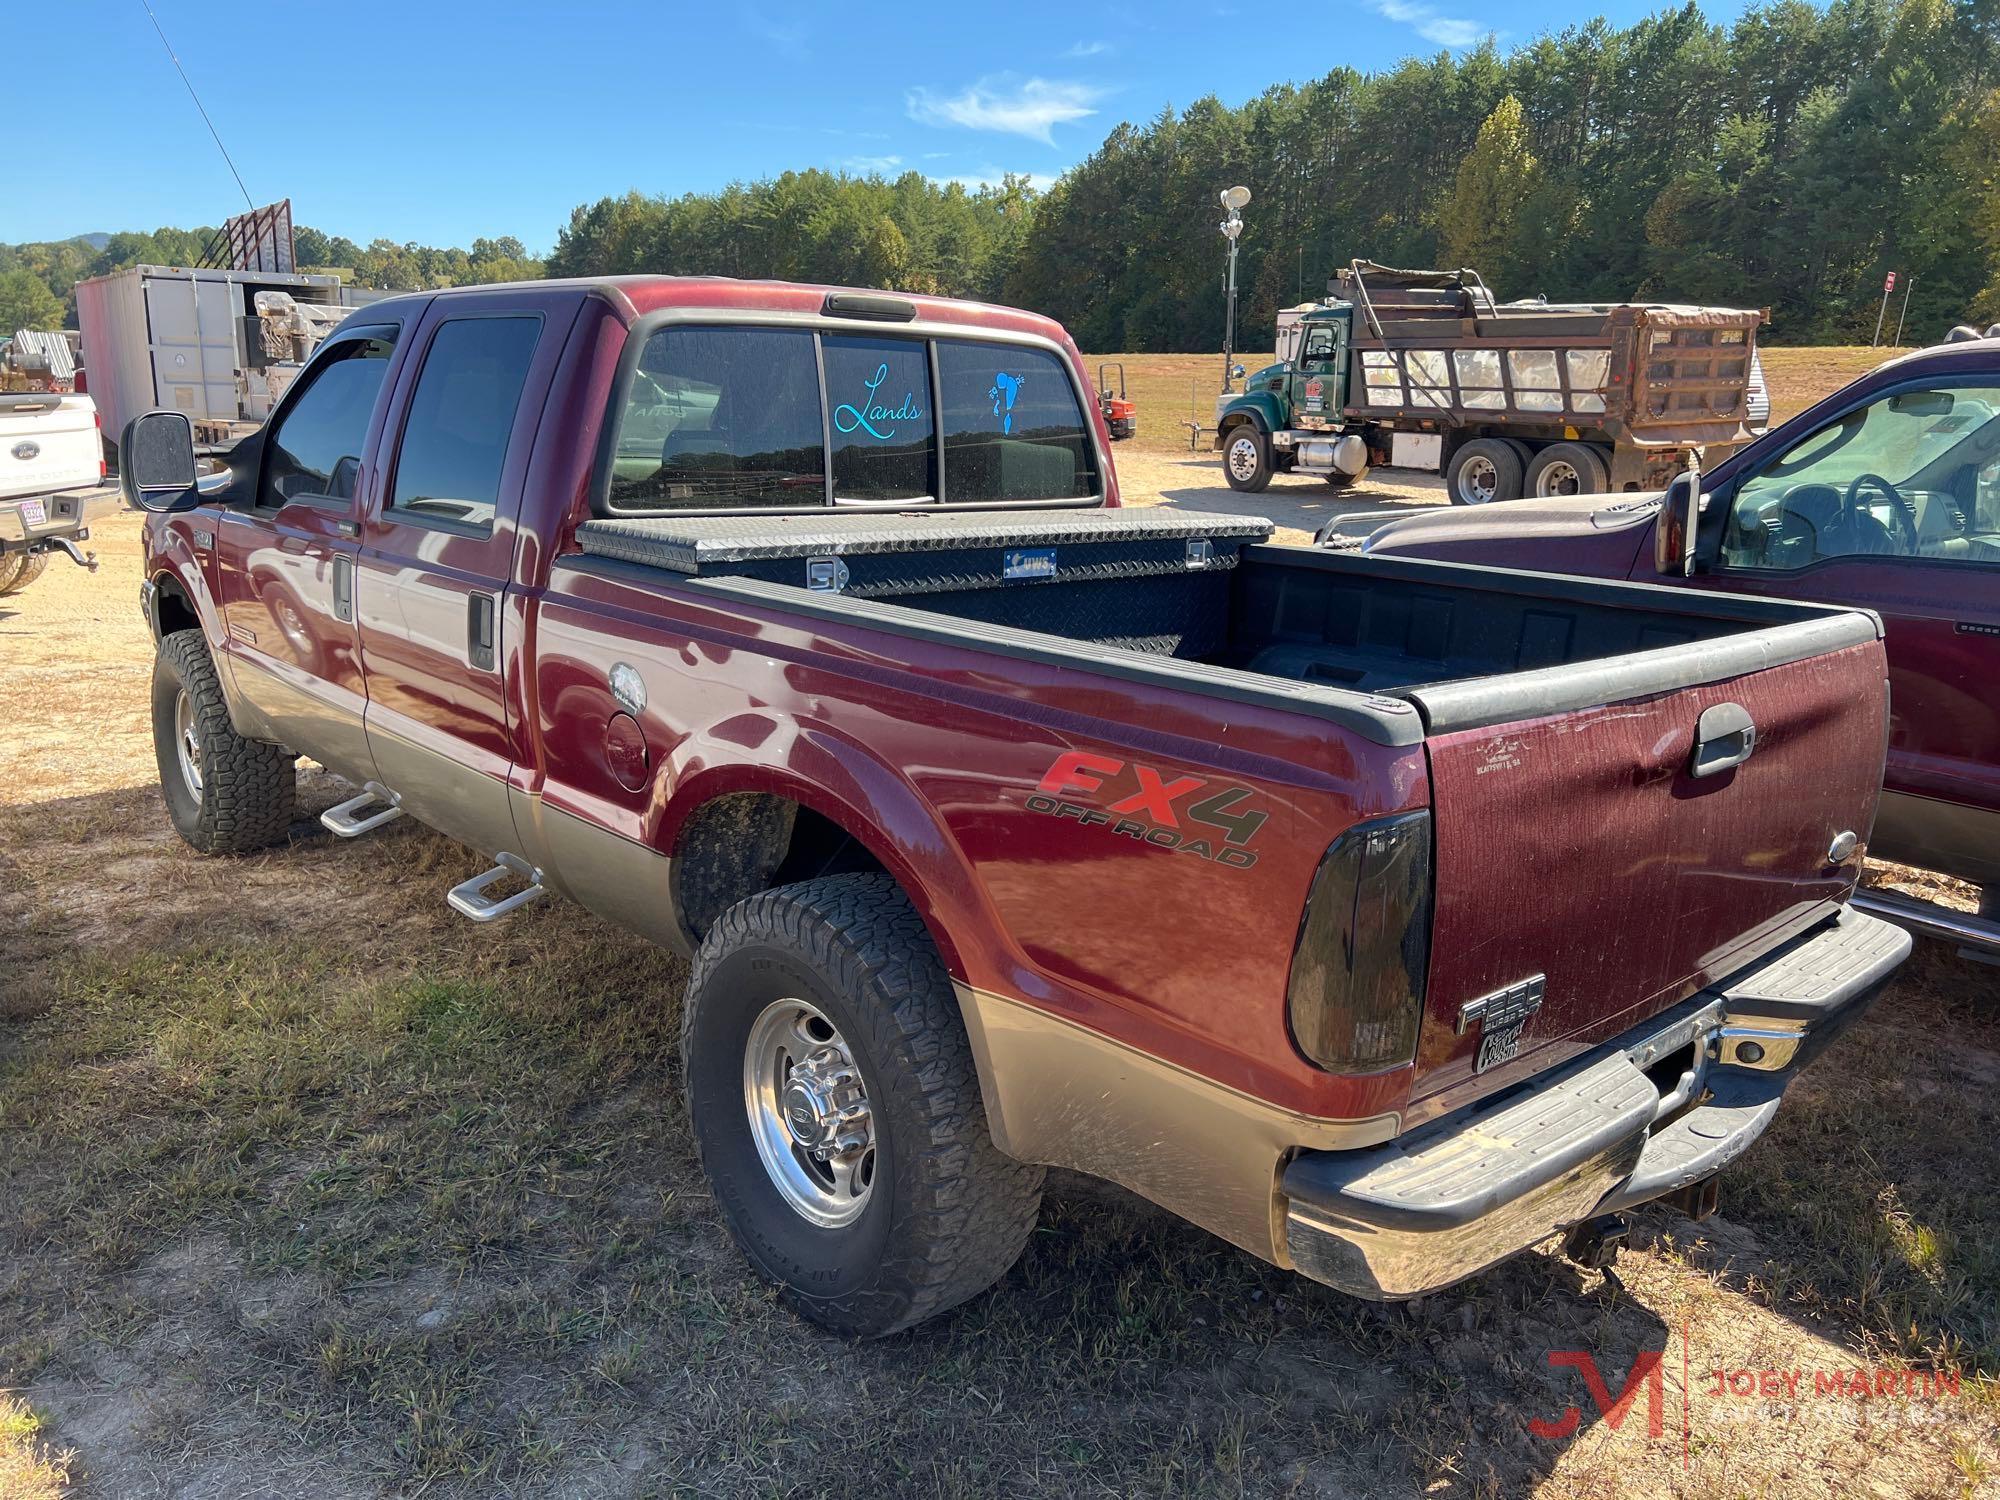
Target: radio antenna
<point x="247" y="203"/>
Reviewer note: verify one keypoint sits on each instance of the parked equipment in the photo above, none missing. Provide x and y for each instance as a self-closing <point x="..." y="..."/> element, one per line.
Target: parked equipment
<point x="1425" y="370"/>
<point x="1121" y="415"/>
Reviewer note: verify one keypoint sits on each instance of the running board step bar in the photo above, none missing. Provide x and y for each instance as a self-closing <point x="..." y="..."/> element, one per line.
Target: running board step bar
<point x="469" y="899"/>
<point x="352" y="818"/>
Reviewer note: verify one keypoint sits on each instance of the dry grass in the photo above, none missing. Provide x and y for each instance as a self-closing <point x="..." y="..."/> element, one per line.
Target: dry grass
<point x="312" y="1188"/>
<point x="29" y="1470"/>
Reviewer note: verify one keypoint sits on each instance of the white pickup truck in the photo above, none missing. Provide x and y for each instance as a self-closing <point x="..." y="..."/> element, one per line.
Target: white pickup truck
<point x="51" y="460"/>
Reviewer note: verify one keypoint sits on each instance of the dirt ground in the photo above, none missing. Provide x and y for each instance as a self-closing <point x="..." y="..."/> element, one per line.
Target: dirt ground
<point x="308" y="1187"/>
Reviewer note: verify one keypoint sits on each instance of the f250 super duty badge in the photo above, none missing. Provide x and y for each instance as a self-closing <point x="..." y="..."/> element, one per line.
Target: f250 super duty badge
<point x="1212" y="820"/>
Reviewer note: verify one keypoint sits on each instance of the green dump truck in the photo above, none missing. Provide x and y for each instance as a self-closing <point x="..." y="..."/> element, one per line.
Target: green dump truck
<point x="1426" y="370"/>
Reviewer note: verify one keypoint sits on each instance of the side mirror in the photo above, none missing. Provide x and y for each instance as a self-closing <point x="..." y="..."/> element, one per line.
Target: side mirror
<point x="156" y="462"/>
<point x="1675" y="530"/>
<point x="1236" y="372"/>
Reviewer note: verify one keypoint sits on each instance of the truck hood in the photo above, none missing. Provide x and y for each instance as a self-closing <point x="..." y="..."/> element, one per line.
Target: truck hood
<point x="1601" y="536"/>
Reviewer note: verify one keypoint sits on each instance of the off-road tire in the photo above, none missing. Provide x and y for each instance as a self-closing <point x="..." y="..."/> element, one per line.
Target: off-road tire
<point x="956" y="1211"/>
<point x="249" y="793"/>
<point x="1500" y="458"/>
<point x="1254" y="476"/>
<point x="19" y="569"/>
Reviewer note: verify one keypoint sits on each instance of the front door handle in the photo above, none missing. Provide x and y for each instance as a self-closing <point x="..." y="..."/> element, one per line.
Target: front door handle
<point x="479" y="632"/>
<point x="1724" y="737"/>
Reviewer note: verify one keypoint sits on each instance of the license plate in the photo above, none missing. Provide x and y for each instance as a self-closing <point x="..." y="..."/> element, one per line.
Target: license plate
<point x="33" y="514"/>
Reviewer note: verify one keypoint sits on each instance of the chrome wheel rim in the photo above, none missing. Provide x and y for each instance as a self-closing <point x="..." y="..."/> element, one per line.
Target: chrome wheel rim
<point x="187" y="742"/>
<point x="809" y="1113"/>
<point x="1478" y="480"/>
<point x="1559" y="478"/>
<point x="1243" y="458"/>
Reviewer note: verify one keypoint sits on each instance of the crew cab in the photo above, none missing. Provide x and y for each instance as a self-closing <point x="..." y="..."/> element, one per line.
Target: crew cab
<point x="1884" y="496"/>
<point x="1384" y="918"/>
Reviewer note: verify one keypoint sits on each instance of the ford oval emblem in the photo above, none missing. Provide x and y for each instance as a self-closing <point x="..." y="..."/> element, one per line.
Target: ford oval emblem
<point x="26" y="451"/>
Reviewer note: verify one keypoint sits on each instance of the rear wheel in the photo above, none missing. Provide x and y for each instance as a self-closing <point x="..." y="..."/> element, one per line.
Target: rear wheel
<point x="224" y="794"/>
<point x="1246" y="458"/>
<point x="1482" y="471"/>
<point x="836" y="1110"/>
<point x="1567" y="469"/>
<point x="19" y="569"/>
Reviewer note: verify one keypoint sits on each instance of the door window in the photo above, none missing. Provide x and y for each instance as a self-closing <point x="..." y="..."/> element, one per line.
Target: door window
<point x="1320" y="345"/>
<point x="878" y="395"/>
<point x="454" y="447"/>
<point x="1013" y="429"/>
<point x="1913" y="475"/>
<point x="315" y="446"/>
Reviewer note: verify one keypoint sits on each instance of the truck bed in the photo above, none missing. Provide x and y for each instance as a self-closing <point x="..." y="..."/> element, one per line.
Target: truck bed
<point x="1194" y="590"/>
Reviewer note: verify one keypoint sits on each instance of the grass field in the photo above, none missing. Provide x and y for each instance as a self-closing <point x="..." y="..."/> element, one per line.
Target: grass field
<point x="1171" y="389"/>
<point x="309" y="1188"/>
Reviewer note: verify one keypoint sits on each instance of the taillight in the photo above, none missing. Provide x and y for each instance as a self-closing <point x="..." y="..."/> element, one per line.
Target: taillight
<point x="97" y="419"/>
<point x="81" y="384"/>
<point x="1356" y="995"/>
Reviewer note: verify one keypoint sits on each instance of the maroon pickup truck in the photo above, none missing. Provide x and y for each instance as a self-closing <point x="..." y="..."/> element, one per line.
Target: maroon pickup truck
<point x="1384" y="918"/>
<point x="1885" y="496"/>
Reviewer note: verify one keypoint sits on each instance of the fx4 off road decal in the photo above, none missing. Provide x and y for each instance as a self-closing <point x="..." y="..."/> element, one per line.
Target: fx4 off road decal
<point x="1213" y="820"/>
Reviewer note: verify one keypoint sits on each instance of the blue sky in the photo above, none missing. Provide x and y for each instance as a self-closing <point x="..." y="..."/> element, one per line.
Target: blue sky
<point x="438" y="122"/>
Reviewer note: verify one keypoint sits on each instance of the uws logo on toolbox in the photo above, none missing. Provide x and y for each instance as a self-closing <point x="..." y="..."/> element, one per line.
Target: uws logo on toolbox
<point x="1212" y="820"/>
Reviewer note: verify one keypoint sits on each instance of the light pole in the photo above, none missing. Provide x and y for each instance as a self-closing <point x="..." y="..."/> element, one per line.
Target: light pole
<point x="1233" y="200"/>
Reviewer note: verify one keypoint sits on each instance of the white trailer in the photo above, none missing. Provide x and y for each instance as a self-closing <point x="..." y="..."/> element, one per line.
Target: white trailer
<point x="192" y="339"/>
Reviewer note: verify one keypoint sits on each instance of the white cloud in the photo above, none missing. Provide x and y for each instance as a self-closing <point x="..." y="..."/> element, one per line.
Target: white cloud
<point x="1033" y="107"/>
<point x="1446" y="31"/>
<point x="787" y="36"/>
<point x="1087" y="49"/>
<point x="876" y="165"/>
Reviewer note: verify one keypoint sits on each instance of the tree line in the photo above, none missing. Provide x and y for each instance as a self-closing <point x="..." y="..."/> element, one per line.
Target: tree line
<point x="1787" y="160"/>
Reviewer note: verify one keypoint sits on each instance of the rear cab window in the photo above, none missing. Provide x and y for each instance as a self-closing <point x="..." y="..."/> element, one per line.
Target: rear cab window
<point x="748" y="417"/>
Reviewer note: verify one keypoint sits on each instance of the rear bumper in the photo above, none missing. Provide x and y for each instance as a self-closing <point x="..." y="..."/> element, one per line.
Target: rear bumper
<point x="29" y="521"/>
<point x="1664" y="1106"/>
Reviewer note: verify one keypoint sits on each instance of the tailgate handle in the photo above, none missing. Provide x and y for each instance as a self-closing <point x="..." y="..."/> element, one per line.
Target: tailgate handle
<point x="1724" y="736"/>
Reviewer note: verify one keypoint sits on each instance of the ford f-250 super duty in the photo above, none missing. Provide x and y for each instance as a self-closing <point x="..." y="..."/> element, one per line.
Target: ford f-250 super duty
<point x="1384" y="918"/>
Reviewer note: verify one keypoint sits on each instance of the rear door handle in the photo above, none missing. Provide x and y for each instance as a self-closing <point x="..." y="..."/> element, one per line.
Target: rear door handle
<point x="343" y="589"/>
<point x="1724" y="737"/>
<point x="479" y="633"/>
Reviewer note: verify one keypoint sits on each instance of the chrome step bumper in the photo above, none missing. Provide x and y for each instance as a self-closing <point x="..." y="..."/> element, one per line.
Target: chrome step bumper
<point x="1457" y="1196"/>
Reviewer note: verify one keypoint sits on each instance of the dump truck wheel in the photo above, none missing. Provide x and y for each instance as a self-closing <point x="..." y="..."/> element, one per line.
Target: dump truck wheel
<point x="1567" y="469"/>
<point x="1246" y="458"/>
<point x="1483" y="471"/>
<point x="836" y="1110"/>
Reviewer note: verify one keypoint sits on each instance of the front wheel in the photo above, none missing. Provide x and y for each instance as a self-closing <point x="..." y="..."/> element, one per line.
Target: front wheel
<point x="224" y="794"/>
<point x="1246" y="459"/>
<point x="836" y="1110"/>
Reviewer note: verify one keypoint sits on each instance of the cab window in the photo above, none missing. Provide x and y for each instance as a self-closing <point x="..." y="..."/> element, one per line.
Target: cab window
<point x="721" y="419"/>
<point x="1013" y="428"/>
<point x="1912" y="475"/>
<point x="1320" y="347"/>
<point x="314" y="452"/>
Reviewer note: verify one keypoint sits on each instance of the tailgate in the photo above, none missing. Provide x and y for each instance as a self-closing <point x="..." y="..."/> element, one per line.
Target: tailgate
<point x="1577" y="844"/>
<point x="47" y="443"/>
